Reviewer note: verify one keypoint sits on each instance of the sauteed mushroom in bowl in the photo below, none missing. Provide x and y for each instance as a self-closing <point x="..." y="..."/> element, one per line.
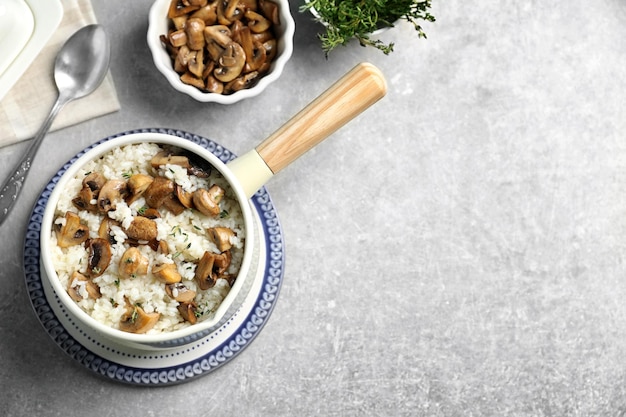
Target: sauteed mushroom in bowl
<point x="220" y="50"/>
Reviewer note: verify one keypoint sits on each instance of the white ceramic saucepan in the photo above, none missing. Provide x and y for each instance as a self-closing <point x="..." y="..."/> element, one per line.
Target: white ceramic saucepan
<point x="348" y="97"/>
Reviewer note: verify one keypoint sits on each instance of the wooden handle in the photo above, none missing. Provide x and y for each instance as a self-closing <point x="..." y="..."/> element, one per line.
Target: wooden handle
<point x="344" y="100"/>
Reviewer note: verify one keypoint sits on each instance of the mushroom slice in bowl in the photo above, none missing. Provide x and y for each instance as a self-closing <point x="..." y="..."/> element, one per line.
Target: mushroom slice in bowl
<point x="71" y="231"/>
<point x="99" y="256"/>
<point x="136" y="320"/>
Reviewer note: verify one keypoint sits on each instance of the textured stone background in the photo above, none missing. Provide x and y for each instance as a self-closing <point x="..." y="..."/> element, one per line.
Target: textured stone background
<point x="458" y="250"/>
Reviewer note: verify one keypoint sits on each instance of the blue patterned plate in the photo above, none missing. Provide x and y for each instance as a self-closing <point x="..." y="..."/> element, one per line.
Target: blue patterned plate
<point x="165" y="366"/>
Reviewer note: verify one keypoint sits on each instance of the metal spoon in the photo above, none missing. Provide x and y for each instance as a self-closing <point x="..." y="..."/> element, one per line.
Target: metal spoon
<point x="79" y="68"/>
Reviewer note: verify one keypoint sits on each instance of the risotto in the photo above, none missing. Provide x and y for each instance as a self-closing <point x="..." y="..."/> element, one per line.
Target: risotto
<point x="146" y="239"/>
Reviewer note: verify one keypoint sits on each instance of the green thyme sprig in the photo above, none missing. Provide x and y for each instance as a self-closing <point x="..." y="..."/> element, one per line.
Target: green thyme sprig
<point x="357" y="19"/>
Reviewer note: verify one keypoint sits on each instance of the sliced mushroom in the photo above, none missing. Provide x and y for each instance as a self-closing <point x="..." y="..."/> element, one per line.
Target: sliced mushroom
<point x="270" y="53"/>
<point x="256" y="22"/>
<point x="162" y="247"/>
<point x="211" y="268"/>
<point x="159" y="190"/>
<point x="149" y="212"/>
<point x="176" y="9"/>
<point x="212" y="85"/>
<point x="112" y="191"/>
<point x="198" y="166"/>
<point x="208" y="68"/>
<point x="222" y="262"/>
<point x="142" y="229"/>
<point x="185" y="197"/>
<point x="173" y="204"/>
<point x="133" y="263"/>
<point x="207" y="13"/>
<point x="216" y="193"/>
<point x="80" y="288"/>
<point x="230" y="62"/>
<point x="95" y="181"/>
<point x="204" y="276"/>
<point x="183" y="56"/>
<point x="154" y="244"/>
<point x="87" y="196"/>
<point x="217" y="37"/>
<point x="167" y="273"/>
<point x="270" y="10"/>
<point x="86" y="200"/>
<point x="235" y="31"/>
<point x="136" y="320"/>
<point x="254" y="50"/>
<point x="99" y="256"/>
<point x="207" y="201"/>
<point x="178" y="38"/>
<point x="263" y="36"/>
<point x="194" y="29"/>
<point x="179" y="21"/>
<point x="137" y="185"/>
<point x="73" y="232"/>
<point x="168" y="158"/>
<point x="180" y="292"/>
<point x="221" y="236"/>
<point x="265" y="68"/>
<point x="105" y="231"/>
<point x="188" y="311"/>
<point x="228" y="11"/>
<point x="196" y="64"/>
<point x="241" y="82"/>
<point x="189" y="78"/>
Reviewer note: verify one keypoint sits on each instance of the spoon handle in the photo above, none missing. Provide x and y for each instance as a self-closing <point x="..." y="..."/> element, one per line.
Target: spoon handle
<point x="344" y="100"/>
<point x="13" y="185"/>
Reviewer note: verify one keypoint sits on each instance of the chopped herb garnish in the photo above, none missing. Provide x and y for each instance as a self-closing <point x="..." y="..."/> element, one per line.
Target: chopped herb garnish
<point x="224" y="214"/>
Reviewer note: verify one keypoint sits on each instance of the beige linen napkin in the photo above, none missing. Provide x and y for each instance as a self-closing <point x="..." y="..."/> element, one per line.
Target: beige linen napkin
<point x="27" y="104"/>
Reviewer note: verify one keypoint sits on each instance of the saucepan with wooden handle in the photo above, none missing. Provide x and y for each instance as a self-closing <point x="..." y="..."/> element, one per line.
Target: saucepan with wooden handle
<point x="245" y="175"/>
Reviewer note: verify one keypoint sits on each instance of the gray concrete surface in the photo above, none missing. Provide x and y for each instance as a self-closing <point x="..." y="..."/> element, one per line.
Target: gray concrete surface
<point x="458" y="250"/>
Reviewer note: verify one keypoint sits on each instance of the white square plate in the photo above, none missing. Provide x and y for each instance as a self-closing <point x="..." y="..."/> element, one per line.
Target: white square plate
<point x="25" y="28"/>
<point x="16" y="27"/>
